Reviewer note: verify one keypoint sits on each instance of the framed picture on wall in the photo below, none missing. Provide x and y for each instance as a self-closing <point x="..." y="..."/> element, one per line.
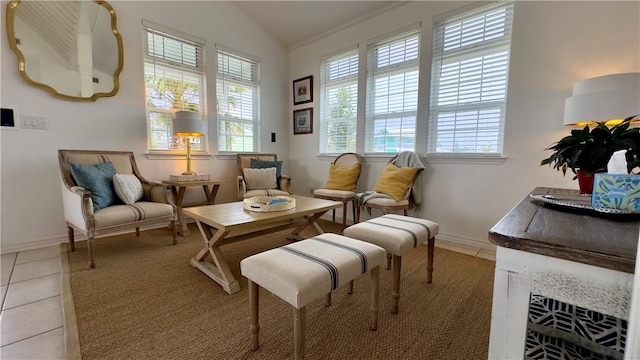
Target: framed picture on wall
<point x="303" y="90"/>
<point x="303" y="121"/>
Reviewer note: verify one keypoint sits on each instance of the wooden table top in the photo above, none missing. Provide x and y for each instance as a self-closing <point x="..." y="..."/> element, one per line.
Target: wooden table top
<point x="530" y="226"/>
<point x="229" y="216"/>
<point x="194" y="183"/>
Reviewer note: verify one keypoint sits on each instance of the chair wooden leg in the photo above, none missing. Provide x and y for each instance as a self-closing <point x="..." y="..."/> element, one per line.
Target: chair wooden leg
<point x="137" y="231"/>
<point x="350" y="289"/>
<point x="90" y="247"/>
<point x="174" y="230"/>
<point x="430" y="248"/>
<point x="299" y="331"/>
<point x="344" y="214"/>
<point x="353" y="209"/>
<point x="375" y="294"/>
<point x="334" y="215"/>
<point x="71" y="237"/>
<point x="395" y="292"/>
<point x="327" y="299"/>
<point x="357" y="214"/>
<point x="254" y="326"/>
<point x="406" y="212"/>
<point x="388" y="261"/>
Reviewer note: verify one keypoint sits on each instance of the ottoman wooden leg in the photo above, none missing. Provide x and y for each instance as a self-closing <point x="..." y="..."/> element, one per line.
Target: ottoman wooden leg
<point x="327" y="300"/>
<point x="298" y="331"/>
<point x="395" y="291"/>
<point x="430" y="249"/>
<point x="375" y="292"/>
<point x="254" y="291"/>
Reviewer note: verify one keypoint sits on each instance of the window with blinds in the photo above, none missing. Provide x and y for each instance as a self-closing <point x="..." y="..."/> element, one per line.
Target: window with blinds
<point x="238" y="91"/>
<point x="469" y="79"/>
<point x="339" y="103"/>
<point x="392" y="93"/>
<point x="174" y="77"/>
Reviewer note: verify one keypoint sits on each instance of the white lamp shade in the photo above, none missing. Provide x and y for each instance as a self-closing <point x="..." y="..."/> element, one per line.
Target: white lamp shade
<point x="604" y="98"/>
<point x="187" y="123"/>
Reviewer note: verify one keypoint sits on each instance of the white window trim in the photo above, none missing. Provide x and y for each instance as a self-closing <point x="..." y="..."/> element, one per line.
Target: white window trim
<point x="473" y="158"/>
<point x="379" y="41"/>
<point x="323" y="59"/>
<point x="257" y="123"/>
<point x="168" y="153"/>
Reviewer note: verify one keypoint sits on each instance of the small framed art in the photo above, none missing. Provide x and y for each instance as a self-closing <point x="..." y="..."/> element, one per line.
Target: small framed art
<point x="303" y="121"/>
<point x="303" y="90"/>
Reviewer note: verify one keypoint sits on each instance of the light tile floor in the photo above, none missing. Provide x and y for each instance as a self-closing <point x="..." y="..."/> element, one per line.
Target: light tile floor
<point x="31" y="322"/>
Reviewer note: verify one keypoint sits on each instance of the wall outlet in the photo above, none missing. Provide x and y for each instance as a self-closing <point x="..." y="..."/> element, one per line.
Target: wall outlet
<point x="34" y="122"/>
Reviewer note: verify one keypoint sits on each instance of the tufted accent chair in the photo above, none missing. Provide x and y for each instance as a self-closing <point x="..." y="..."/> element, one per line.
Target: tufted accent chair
<point x="155" y="207"/>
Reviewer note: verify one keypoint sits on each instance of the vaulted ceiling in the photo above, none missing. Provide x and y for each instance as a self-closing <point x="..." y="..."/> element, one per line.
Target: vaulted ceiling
<point x="297" y="22"/>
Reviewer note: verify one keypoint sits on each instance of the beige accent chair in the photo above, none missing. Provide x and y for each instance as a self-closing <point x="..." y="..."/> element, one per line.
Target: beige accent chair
<point x="389" y="206"/>
<point x="244" y="162"/>
<point x="155" y="207"/>
<point x="344" y="160"/>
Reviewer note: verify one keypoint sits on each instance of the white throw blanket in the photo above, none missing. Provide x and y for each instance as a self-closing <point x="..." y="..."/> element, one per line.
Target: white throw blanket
<point x="411" y="159"/>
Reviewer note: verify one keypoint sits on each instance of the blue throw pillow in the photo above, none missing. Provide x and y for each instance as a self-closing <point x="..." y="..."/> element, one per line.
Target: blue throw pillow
<point x="97" y="178"/>
<point x="263" y="164"/>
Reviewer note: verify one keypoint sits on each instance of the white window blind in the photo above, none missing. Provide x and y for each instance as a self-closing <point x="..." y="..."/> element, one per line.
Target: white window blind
<point x="238" y="91"/>
<point x="174" y="80"/>
<point x="469" y="81"/>
<point x="339" y="103"/>
<point x="392" y="93"/>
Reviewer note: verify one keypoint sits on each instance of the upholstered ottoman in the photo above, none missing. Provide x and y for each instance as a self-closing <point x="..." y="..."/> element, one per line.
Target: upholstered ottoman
<point x="304" y="271"/>
<point x="397" y="235"/>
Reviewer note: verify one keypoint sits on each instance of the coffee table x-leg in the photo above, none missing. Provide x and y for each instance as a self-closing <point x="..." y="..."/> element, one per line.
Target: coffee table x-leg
<point x="215" y="234"/>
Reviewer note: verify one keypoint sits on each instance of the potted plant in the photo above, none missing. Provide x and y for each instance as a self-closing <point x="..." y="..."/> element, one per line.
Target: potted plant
<point x="586" y="152"/>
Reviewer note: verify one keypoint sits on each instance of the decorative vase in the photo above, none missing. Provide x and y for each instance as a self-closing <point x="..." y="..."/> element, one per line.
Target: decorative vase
<point x="585" y="181"/>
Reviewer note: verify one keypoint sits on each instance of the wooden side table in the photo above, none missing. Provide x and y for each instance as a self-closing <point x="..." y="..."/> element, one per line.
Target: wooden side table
<point x="179" y="188"/>
<point x="571" y="257"/>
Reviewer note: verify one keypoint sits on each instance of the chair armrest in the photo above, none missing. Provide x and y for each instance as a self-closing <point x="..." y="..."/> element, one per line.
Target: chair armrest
<point x="78" y="206"/>
<point x="242" y="188"/>
<point x="285" y="183"/>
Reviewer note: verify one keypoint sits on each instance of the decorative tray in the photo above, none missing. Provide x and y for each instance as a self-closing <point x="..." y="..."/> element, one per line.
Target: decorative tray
<point x="578" y="202"/>
<point x="269" y="203"/>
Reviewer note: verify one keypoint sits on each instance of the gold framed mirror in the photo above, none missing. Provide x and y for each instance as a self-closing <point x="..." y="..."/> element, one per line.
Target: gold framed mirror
<point x="72" y="49"/>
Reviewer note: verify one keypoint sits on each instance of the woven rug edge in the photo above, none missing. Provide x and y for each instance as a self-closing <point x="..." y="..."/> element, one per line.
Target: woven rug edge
<point x="71" y="337"/>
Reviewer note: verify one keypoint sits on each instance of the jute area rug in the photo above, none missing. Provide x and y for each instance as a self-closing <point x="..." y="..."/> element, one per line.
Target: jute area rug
<point x="145" y="301"/>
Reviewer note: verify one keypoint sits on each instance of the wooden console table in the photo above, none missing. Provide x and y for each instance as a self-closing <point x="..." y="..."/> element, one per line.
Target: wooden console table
<point x="569" y="256"/>
<point x="179" y="188"/>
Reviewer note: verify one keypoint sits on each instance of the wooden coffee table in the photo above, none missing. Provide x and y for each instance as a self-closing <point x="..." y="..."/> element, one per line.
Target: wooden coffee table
<point x="225" y="223"/>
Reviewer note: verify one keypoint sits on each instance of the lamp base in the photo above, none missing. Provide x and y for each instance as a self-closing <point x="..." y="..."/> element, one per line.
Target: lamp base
<point x="189" y="172"/>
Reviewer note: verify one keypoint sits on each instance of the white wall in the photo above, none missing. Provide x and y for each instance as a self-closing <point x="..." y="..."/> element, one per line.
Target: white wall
<point x="30" y="203"/>
<point x="554" y="44"/>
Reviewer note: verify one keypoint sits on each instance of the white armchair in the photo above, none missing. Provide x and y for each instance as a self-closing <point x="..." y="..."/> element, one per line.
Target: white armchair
<point x="281" y="186"/>
<point x="152" y="205"/>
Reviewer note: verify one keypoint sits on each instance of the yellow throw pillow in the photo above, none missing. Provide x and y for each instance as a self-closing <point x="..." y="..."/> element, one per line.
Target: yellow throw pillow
<point x="395" y="181"/>
<point x="343" y="178"/>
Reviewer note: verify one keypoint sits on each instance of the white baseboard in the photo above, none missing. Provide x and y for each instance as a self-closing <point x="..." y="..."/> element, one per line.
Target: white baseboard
<point x="36" y="244"/>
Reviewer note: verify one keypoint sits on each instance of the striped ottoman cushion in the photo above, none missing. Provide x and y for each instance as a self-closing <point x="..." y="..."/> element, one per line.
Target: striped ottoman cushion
<point x="395" y="233"/>
<point x="304" y="271"/>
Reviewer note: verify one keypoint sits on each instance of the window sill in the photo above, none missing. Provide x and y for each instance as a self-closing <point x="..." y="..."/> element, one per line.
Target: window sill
<point x="465" y="159"/>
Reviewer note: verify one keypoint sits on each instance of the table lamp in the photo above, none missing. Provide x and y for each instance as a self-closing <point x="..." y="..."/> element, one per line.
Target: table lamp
<point x="609" y="98"/>
<point x="188" y="124"/>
